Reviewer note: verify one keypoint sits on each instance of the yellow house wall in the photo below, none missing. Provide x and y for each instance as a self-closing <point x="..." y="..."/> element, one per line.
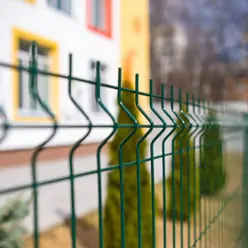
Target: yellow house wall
<point x="135" y="38"/>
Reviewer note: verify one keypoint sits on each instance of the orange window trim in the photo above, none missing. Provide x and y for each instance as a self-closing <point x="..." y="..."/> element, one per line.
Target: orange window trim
<point x="108" y="10"/>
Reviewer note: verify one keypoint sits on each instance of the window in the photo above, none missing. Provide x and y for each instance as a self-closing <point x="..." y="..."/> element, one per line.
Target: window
<point x="99" y="16"/>
<point x="62" y="5"/>
<point x="94" y="105"/>
<point x="26" y="104"/>
<point x="25" y="108"/>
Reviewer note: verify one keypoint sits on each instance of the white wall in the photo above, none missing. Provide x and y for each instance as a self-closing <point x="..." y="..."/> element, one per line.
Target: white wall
<point x="72" y="35"/>
<point x="240" y="106"/>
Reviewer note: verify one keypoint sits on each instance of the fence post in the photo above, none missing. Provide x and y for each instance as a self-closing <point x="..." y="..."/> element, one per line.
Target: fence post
<point x="245" y="184"/>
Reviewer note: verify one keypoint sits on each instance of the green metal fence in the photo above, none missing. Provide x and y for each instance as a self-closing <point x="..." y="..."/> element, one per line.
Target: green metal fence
<point x="222" y="218"/>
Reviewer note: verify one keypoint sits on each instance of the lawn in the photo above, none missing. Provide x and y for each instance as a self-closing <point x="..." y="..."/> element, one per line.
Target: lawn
<point x="222" y="232"/>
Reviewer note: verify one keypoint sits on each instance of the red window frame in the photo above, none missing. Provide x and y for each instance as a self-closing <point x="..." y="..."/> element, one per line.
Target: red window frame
<point x="108" y="10"/>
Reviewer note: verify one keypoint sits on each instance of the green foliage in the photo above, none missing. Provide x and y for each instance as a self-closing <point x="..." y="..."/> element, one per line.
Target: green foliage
<point x="213" y="175"/>
<point x="186" y="175"/>
<point x="11" y="230"/>
<point x="112" y="213"/>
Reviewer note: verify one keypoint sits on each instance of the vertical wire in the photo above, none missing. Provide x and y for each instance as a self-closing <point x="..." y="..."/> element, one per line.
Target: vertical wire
<point x="100" y="147"/>
<point x="181" y="128"/>
<point x="139" y="196"/>
<point x="174" y="128"/>
<point x="210" y="202"/>
<point x="181" y="174"/>
<point x="206" y="203"/>
<point x="142" y="139"/>
<point x="120" y="155"/>
<point x="164" y="171"/>
<point x="152" y="162"/>
<point x="189" y="184"/>
<point x="173" y="179"/>
<point x="200" y="160"/>
<point x="33" y="86"/>
<point x="72" y="186"/>
<point x="152" y="176"/>
<point x="71" y="155"/>
<point x="194" y="178"/>
<point x="33" y="89"/>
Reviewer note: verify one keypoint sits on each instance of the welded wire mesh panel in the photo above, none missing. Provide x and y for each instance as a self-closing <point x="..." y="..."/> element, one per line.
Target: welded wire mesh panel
<point x="173" y="180"/>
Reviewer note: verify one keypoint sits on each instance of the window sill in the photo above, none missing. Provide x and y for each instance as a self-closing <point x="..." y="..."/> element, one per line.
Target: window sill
<point x="31" y="116"/>
<point x="28" y="113"/>
<point x="61" y="11"/>
<point x="106" y="34"/>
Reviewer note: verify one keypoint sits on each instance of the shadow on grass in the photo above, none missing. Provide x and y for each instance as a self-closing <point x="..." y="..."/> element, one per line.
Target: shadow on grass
<point x="87" y="233"/>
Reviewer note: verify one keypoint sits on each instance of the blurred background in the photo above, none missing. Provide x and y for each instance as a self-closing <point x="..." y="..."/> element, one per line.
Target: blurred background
<point x="201" y="46"/>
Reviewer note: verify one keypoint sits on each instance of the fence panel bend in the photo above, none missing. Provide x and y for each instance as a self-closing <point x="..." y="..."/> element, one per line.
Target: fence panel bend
<point x="177" y="179"/>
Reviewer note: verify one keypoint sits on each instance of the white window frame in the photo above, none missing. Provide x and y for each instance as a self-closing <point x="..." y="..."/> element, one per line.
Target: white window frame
<point x="42" y="61"/>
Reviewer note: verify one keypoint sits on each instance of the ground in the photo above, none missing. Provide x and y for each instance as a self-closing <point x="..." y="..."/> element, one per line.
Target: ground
<point x="224" y="211"/>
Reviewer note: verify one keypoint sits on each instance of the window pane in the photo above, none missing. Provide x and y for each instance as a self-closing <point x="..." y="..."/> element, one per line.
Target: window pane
<point x="103" y="81"/>
<point x="94" y="104"/>
<point x="98" y="14"/>
<point x="95" y="107"/>
<point x="20" y="78"/>
<point x="65" y="5"/>
<point x="32" y="102"/>
<point x="43" y="86"/>
<point x="26" y="101"/>
<point x="93" y="13"/>
<point x="101" y="14"/>
<point x="53" y="3"/>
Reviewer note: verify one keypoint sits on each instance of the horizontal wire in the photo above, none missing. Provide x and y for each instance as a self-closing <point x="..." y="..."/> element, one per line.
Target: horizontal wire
<point x="63" y="76"/>
<point x="113" y="167"/>
<point x="52" y="74"/>
<point x="117" y="125"/>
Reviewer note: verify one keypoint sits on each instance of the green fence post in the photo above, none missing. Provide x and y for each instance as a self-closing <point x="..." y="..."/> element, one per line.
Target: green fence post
<point x="245" y="184"/>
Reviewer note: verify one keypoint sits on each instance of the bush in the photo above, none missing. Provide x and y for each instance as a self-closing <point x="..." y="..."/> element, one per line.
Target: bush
<point x="112" y="213"/>
<point x="11" y="215"/>
<point x="213" y="175"/>
<point x="186" y="195"/>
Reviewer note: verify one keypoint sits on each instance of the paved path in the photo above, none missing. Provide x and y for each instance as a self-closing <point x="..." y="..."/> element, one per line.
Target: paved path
<point x="54" y="199"/>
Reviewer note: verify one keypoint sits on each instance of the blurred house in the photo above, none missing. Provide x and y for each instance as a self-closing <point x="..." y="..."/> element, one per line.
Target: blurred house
<point x="237" y="87"/>
<point x="168" y="47"/>
<point x="91" y="31"/>
<point x="198" y="58"/>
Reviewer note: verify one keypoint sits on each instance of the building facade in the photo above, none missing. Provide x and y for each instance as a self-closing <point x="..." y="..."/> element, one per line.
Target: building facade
<point x="90" y="30"/>
<point x="135" y="42"/>
<point x="87" y="30"/>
